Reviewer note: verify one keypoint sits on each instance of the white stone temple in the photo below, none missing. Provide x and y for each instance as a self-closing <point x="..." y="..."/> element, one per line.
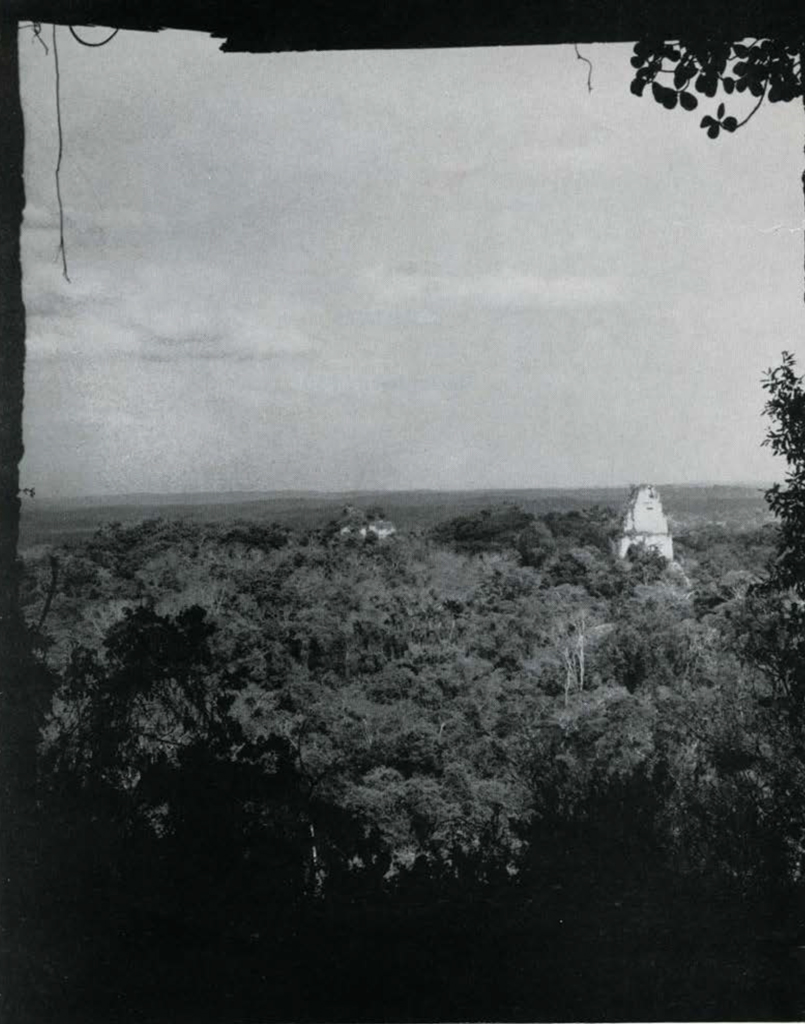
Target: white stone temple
<point x="645" y="524"/>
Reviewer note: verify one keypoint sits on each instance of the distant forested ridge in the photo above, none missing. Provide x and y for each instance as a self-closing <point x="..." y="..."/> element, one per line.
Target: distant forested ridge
<point x="481" y="769"/>
<point x="71" y="520"/>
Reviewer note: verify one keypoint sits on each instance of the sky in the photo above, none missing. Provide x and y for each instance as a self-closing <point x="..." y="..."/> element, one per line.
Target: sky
<point x="395" y="270"/>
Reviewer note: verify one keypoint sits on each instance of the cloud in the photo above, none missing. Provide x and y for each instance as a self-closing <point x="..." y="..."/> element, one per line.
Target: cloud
<point x="94" y="336"/>
<point x="40" y="218"/>
<point x="505" y="289"/>
<point x="166" y="311"/>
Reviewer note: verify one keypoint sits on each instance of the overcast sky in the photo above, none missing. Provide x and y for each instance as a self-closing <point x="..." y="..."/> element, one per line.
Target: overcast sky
<point x="433" y="269"/>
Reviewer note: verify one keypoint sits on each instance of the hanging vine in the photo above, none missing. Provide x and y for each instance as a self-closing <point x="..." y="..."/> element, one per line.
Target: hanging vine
<point x="36" y="28"/>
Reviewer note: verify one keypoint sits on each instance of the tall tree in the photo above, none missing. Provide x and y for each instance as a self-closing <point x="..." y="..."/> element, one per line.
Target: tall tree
<point x="18" y="720"/>
<point x="786" y="437"/>
<point x="777" y="641"/>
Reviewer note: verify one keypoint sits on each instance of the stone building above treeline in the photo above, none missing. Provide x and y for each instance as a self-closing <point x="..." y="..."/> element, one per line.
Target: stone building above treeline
<point x="645" y="525"/>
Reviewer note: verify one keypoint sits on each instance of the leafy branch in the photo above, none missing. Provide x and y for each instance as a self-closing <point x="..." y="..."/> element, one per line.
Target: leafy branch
<point x="766" y="69"/>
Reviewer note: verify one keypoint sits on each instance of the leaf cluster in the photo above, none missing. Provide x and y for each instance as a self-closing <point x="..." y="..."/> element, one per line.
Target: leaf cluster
<point x="680" y="73"/>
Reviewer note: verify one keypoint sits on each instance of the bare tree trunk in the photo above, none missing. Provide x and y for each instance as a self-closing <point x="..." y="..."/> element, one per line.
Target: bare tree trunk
<point x="12" y="319"/>
<point x="579" y="624"/>
<point x="18" y="719"/>
<point x="12" y="363"/>
<point x="317" y="877"/>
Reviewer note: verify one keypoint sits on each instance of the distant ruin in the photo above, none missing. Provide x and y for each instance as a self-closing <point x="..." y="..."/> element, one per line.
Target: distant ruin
<point x="366" y="523"/>
<point x="645" y="524"/>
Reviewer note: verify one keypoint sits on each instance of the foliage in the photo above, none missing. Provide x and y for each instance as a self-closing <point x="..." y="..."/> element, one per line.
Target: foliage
<point x="776" y="640"/>
<point x="256" y="728"/>
<point x="786" y="437"/>
<point x="647" y="562"/>
<point x="595" y="527"/>
<point x="535" y="544"/>
<point x="401" y="682"/>
<point x="763" y="69"/>
<point x="487" y="530"/>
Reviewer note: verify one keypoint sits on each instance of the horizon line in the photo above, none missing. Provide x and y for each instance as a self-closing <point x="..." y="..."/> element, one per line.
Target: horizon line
<point x="258" y="494"/>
